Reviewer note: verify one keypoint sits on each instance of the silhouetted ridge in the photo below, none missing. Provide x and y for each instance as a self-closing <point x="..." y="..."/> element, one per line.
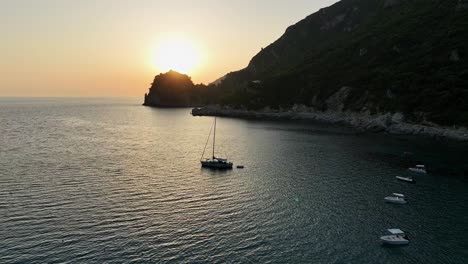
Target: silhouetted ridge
<point x="173" y="89"/>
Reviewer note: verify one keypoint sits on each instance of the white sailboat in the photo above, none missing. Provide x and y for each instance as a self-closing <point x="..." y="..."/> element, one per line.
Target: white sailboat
<point x="214" y="162"/>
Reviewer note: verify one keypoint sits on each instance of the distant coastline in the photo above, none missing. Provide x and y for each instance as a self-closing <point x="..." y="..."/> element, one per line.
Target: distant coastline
<point x="392" y="123"/>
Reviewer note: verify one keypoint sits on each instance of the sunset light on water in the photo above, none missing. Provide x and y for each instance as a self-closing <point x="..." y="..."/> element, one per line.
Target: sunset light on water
<point x="325" y="131"/>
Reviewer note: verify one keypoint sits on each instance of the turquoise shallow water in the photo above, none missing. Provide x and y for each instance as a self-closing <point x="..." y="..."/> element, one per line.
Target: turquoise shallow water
<point x="107" y="180"/>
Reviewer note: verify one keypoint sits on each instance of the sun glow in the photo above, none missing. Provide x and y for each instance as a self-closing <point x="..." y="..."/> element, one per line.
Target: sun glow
<point x="176" y="54"/>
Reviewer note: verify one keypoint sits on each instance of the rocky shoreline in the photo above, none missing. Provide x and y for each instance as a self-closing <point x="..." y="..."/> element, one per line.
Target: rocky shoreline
<point x="392" y="123"/>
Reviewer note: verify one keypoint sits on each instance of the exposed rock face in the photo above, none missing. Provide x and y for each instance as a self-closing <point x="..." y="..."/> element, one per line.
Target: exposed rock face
<point x="454" y="56"/>
<point x="389" y="123"/>
<point x="337" y="100"/>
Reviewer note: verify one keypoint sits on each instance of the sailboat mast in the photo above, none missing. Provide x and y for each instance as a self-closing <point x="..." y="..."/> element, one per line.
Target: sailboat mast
<point x="214" y="137"/>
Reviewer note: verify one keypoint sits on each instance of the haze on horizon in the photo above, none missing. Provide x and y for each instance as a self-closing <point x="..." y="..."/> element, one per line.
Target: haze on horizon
<point x="109" y="48"/>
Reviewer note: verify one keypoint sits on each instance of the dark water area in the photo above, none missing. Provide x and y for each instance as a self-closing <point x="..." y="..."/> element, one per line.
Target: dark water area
<point x="99" y="180"/>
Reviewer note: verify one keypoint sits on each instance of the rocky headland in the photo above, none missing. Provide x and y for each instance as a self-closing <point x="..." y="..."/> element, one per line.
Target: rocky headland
<point x="393" y="66"/>
<point x="174" y="89"/>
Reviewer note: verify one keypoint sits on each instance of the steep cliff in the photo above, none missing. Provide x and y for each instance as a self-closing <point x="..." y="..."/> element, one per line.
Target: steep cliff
<point x="368" y="56"/>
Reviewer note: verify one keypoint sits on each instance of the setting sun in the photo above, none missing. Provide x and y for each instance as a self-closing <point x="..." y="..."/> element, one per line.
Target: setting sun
<point x="177" y="54"/>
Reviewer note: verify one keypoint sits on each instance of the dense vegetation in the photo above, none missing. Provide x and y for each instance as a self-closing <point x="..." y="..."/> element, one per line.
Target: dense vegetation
<point x="407" y="56"/>
<point x="395" y="55"/>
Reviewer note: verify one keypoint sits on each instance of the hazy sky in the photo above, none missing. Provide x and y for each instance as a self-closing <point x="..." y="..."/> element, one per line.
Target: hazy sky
<point x="108" y="47"/>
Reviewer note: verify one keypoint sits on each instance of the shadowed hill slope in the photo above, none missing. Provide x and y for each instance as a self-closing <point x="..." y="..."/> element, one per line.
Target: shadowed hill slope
<point x="375" y="56"/>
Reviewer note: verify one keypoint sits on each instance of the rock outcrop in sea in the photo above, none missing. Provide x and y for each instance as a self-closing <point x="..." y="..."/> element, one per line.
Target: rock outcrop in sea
<point x="173" y="89"/>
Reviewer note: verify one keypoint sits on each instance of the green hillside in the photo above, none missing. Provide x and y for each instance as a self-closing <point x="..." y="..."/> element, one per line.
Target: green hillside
<point x="374" y="56"/>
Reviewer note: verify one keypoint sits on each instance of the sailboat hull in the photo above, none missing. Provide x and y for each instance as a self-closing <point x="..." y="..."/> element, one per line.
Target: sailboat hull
<point x="215" y="164"/>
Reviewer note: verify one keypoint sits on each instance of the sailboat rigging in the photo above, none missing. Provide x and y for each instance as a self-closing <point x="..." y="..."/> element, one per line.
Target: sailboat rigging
<point x="214" y="162"/>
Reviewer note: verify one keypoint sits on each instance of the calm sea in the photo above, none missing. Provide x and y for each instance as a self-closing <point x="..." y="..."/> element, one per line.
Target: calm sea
<point x="111" y="181"/>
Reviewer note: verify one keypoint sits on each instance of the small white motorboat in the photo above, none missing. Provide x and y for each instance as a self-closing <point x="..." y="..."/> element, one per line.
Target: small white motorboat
<point x="418" y="169"/>
<point x="397" y="237"/>
<point x="396" y="198"/>
<point x="406" y="179"/>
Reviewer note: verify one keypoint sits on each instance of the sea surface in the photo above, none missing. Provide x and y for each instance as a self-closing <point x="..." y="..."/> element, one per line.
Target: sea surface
<point x="106" y="180"/>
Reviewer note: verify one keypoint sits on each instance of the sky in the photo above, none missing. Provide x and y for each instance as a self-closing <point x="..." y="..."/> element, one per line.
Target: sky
<point x="115" y="47"/>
